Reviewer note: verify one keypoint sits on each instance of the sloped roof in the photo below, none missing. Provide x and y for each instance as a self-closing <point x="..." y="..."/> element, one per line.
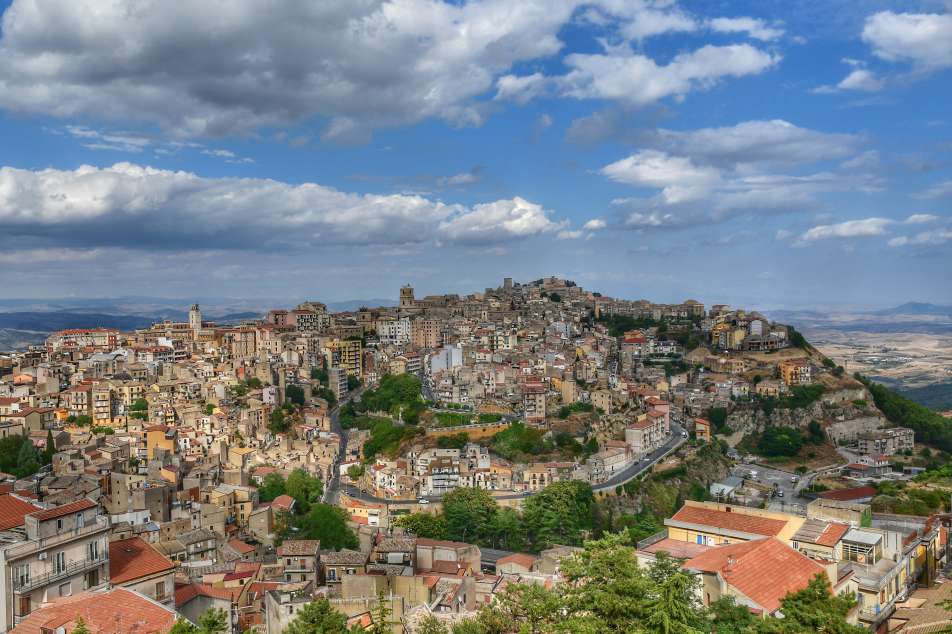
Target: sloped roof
<point x="740" y="522"/>
<point x="134" y="558"/>
<point x="754" y="568"/>
<point x="117" y="611"/>
<point x="12" y="511"/>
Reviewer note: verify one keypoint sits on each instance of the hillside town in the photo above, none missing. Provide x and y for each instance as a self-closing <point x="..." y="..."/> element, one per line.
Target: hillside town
<point x="254" y="468"/>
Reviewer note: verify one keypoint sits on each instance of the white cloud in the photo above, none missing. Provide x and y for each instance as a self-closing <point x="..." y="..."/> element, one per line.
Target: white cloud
<point x="649" y="22"/>
<point x="921" y="219"/>
<point x="135" y="206"/>
<point x="783" y="234"/>
<point x="941" y="189"/>
<point x="678" y="177"/>
<point x="712" y="174"/>
<point x="500" y="220"/>
<point x="569" y="234"/>
<point x="214" y="69"/>
<point x="462" y="179"/>
<point x="594" y="224"/>
<point x="753" y="27"/>
<point x="925" y="39"/>
<point x="858" y="79"/>
<point x="772" y="141"/>
<point x="636" y="79"/>
<point x="848" y="229"/>
<point x="521" y="89"/>
<point x="925" y="238"/>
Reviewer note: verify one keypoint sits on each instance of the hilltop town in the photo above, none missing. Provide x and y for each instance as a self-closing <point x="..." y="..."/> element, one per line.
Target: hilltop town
<point x="412" y="464"/>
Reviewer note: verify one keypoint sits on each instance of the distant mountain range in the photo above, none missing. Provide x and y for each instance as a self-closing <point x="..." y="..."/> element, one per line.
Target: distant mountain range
<point x="917" y="308"/>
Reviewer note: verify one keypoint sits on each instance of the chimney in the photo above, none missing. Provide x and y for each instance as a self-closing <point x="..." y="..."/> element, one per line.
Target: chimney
<point x="730" y="563"/>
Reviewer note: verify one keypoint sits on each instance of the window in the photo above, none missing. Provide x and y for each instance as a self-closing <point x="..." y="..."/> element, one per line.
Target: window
<point x="59" y="562"/>
<point x="22" y="574"/>
<point x="66" y="589"/>
<point x="332" y="574"/>
<point x="59" y="524"/>
<point x="159" y="589"/>
<point x="24" y="606"/>
<point x="80" y="520"/>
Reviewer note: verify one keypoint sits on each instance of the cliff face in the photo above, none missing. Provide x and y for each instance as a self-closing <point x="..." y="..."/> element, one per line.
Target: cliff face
<point x="832" y="408"/>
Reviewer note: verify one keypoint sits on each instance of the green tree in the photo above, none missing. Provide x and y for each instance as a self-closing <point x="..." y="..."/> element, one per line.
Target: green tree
<point x="318" y="617"/>
<point x="327" y="523"/>
<point x="508" y="530"/>
<point x="272" y="486"/>
<point x="295" y="394"/>
<point x="813" y="609"/>
<point x="352" y="382"/>
<point x="380" y="614"/>
<point x="561" y="513"/>
<point x="28" y="460"/>
<point x="80" y="627"/>
<point x="50" y="448"/>
<point x="209" y="409"/>
<point x="139" y="405"/>
<point x="304" y="488"/>
<point x="212" y="621"/>
<point x="431" y="625"/>
<point x="718" y="417"/>
<point x="469" y="514"/>
<point x="780" y="441"/>
<point x="355" y="472"/>
<point x="423" y="525"/>
<point x="278" y="423"/>
<point x="729" y="618"/>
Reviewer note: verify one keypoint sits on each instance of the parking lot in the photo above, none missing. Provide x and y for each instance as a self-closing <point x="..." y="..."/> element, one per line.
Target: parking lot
<point x="777" y="479"/>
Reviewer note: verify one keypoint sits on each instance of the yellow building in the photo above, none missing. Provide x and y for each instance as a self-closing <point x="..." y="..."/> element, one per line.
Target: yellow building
<point x="160" y="437"/>
<point x="712" y="524"/>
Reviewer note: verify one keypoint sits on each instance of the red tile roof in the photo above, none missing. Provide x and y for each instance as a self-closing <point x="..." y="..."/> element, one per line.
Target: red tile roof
<point x="241" y="547"/>
<point x="676" y="548"/>
<point x="730" y="521"/>
<point x="283" y="502"/>
<point x="846" y="495"/>
<point x="752" y="568"/>
<point x="133" y="558"/>
<point x="12" y="510"/>
<point x="118" y="611"/>
<point x="521" y="559"/>
<point x="832" y="534"/>
<point x="62" y="511"/>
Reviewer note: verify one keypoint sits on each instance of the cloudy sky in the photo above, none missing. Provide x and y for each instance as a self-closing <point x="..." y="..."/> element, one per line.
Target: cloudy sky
<point x="766" y="153"/>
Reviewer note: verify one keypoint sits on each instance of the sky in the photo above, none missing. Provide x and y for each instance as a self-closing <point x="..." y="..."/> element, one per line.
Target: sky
<point x="762" y="153"/>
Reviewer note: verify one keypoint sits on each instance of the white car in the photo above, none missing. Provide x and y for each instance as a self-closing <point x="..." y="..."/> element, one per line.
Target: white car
<point x="423" y="501"/>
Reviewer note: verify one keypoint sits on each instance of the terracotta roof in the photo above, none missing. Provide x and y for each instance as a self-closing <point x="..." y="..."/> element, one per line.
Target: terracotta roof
<point x="751" y="567"/>
<point x="133" y="558"/>
<point x="118" y="611"/>
<point x="12" y="510"/>
<point x="521" y="559"/>
<point x="61" y="511"/>
<point x="730" y="521"/>
<point x="845" y="495"/>
<point x="283" y="502"/>
<point x="241" y="547"/>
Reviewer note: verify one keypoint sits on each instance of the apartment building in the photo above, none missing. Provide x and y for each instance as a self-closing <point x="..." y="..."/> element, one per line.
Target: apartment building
<point x="301" y="559"/>
<point x="796" y="372"/>
<point x="885" y="441"/>
<point x="425" y="333"/>
<point x="55" y="553"/>
<point x="346" y="354"/>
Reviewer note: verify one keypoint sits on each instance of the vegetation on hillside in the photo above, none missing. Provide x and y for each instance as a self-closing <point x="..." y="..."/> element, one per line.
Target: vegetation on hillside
<point x="931" y="428"/>
<point x="397" y="394"/>
<point x="562" y="513"/>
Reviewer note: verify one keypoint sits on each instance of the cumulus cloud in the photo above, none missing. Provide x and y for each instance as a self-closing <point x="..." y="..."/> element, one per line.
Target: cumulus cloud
<point x="135" y="206"/>
<point x="860" y="79"/>
<point x="921" y="219"/>
<point x="503" y="219"/>
<point x="712" y="174"/>
<point x="568" y="234"/>
<point x="678" y="177"/>
<point x="925" y="238"/>
<point x="462" y="179"/>
<point x="636" y="80"/>
<point x="214" y="69"/>
<point x="594" y="224"/>
<point x="924" y="39"/>
<point x="849" y="229"/>
<point x="754" y="27"/>
<point x="775" y="141"/>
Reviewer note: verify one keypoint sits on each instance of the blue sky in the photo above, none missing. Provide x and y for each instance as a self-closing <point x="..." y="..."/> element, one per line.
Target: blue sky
<point x="765" y="153"/>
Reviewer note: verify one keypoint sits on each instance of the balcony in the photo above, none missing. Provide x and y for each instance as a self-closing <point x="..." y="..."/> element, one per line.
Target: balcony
<point x="32" y="546"/>
<point x="73" y="568"/>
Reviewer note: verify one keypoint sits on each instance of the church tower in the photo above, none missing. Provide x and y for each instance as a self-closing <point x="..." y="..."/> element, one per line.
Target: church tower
<point x="195" y="318"/>
<point x="407" y="301"/>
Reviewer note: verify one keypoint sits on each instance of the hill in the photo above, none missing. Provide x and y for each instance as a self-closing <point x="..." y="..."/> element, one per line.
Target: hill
<point x="917" y="308"/>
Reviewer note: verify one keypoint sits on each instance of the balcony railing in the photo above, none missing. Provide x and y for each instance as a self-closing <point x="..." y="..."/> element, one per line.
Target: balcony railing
<point x="73" y="568"/>
<point x="35" y="545"/>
